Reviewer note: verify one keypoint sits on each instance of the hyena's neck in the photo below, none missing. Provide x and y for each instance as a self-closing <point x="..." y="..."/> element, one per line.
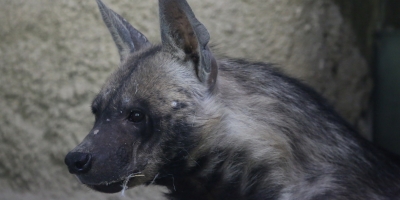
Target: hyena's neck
<point x="223" y="174"/>
<point x="228" y="160"/>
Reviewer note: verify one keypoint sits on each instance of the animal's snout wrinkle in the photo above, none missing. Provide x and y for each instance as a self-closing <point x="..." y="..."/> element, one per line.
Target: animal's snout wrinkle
<point x="78" y="162"/>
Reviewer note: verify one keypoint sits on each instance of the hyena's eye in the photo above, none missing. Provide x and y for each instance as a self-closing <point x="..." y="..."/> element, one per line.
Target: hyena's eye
<point x="136" y="116"/>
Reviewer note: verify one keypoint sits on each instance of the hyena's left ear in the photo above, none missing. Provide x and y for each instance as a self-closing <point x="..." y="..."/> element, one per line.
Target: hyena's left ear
<point x="187" y="38"/>
<point x="127" y="38"/>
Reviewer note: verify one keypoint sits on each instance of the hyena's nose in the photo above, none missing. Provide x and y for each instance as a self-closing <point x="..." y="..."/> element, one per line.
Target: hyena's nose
<point x="78" y="163"/>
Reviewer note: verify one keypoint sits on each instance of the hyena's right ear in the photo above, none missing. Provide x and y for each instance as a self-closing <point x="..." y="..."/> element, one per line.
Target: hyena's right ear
<point x="127" y="38"/>
<point x="187" y="38"/>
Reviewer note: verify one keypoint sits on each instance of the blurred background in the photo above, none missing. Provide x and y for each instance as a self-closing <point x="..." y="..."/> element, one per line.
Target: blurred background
<point x="55" y="55"/>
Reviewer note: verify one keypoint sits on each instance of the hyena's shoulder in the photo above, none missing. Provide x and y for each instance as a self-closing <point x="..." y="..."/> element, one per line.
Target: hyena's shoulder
<point x="320" y="146"/>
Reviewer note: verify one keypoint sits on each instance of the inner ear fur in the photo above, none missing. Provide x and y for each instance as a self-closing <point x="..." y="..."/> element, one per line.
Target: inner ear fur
<point x="187" y="38"/>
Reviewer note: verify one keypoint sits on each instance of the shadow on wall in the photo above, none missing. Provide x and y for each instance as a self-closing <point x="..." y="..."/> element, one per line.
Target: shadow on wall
<point x="387" y="76"/>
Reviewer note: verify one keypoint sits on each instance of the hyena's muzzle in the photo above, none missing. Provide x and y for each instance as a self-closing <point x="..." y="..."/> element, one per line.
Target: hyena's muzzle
<point x="104" y="159"/>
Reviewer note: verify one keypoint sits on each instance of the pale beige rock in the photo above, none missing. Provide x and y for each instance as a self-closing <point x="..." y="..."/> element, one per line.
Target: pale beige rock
<point x="55" y="55"/>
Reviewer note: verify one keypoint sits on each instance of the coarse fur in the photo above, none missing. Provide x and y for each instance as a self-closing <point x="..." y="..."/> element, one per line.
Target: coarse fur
<point x="207" y="128"/>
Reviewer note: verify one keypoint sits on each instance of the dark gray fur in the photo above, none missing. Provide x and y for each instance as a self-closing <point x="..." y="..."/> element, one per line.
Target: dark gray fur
<point x="209" y="128"/>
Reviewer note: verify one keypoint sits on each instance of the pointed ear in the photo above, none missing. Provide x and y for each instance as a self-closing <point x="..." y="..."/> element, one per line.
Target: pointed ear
<point x="127" y="38"/>
<point x="187" y="38"/>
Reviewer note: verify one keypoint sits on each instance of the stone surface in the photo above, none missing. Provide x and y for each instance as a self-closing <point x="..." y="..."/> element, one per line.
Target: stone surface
<point x="55" y="55"/>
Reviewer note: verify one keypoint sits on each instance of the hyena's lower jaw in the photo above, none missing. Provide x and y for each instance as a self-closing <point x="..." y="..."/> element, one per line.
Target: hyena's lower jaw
<point x="108" y="188"/>
<point x="117" y="185"/>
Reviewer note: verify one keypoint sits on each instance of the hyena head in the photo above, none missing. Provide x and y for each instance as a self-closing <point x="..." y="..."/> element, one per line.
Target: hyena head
<point x="144" y="113"/>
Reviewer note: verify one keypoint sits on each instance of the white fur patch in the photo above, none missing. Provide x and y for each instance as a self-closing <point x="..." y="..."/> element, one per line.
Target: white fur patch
<point x="127" y="100"/>
<point x="95" y="132"/>
<point x="136" y="86"/>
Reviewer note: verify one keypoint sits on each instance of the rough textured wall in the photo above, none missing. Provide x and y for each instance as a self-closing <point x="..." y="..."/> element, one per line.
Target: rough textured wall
<point x="55" y="55"/>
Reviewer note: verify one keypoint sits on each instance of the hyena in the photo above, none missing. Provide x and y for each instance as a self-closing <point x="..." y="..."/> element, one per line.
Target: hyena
<point x="206" y="128"/>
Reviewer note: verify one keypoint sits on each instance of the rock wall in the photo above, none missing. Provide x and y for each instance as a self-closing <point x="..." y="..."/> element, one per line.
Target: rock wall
<point x="55" y="55"/>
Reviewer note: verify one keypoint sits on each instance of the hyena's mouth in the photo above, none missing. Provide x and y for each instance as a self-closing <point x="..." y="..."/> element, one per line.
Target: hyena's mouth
<point x="108" y="188"/>
<point x="114" y="186"/>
